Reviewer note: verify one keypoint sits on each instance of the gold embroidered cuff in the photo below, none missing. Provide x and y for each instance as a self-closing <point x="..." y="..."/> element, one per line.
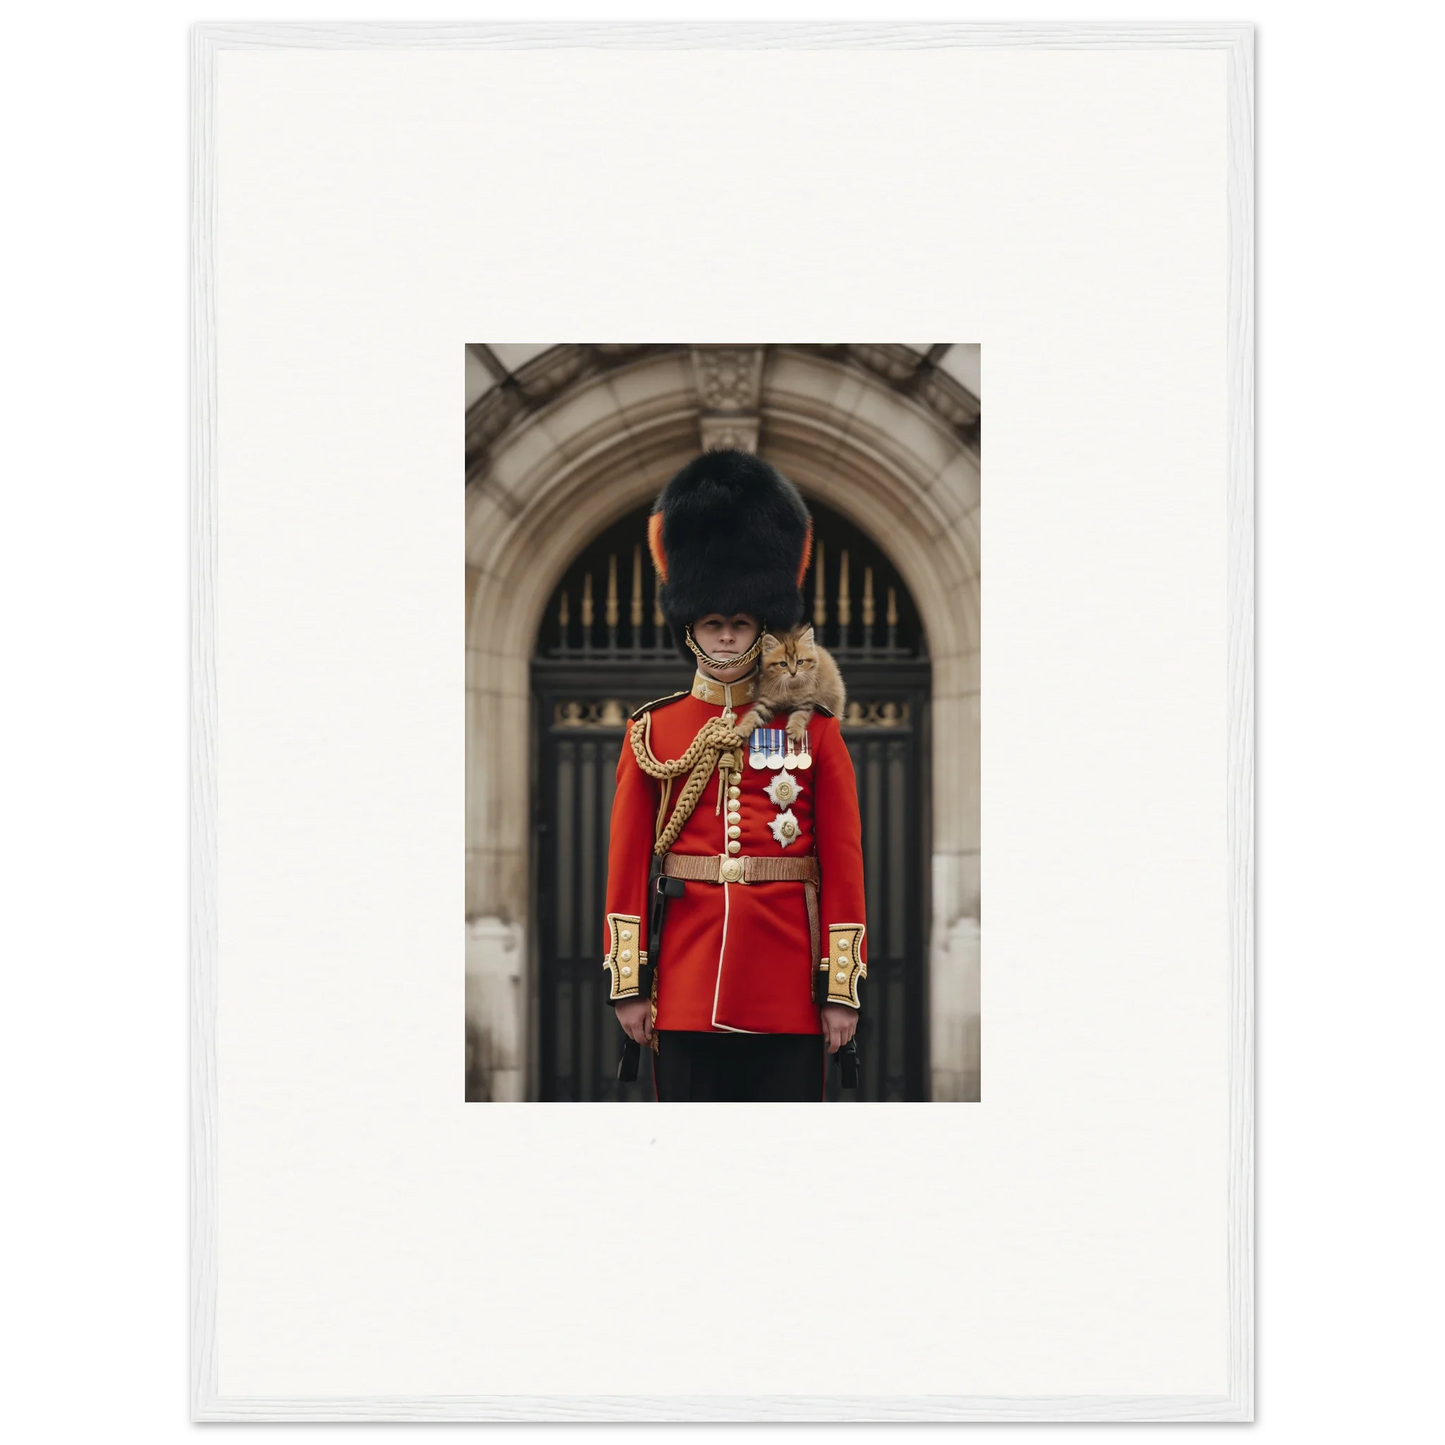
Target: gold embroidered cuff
<point x="626" y="956"/>
<point x="844" y="963"/>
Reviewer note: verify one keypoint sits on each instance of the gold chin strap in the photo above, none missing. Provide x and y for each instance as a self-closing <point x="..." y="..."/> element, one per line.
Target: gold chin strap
<point x="725" y="662"/>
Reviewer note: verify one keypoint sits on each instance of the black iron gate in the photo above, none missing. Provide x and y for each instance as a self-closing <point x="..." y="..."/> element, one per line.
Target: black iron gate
<point x="591" y="671"/>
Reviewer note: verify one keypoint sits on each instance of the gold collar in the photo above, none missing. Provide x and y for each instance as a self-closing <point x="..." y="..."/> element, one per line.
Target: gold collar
<point x="726" y="694"/>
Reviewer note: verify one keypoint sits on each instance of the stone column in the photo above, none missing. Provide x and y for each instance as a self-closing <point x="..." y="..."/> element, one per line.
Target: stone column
<point x="954" y="972"/>
<point x="954" y="982"/>
<point x="495" y="1010"/>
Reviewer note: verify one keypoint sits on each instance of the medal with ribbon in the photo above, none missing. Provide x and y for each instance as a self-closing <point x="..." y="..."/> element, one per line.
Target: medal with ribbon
<point x="758" y="748"/>
<point x="775" y="747"/>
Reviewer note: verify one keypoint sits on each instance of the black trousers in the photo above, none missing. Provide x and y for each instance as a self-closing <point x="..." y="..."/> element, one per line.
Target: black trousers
<point x="739" y="1068"/>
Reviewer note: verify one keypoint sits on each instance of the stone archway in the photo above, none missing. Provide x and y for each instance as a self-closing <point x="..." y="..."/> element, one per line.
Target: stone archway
<point x="605" y="444"/>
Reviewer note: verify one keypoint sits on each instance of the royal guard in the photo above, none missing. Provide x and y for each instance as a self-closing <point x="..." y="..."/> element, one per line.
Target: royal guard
<point x="734" y="937"/>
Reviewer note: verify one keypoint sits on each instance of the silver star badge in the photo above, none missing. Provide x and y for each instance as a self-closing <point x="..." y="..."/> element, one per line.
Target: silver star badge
<point x="785" y="828"/>
<point x="783" y="790"/>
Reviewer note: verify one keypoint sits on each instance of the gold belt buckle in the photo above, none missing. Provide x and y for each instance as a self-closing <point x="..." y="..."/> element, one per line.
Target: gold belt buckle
<point x="730" y="870"/>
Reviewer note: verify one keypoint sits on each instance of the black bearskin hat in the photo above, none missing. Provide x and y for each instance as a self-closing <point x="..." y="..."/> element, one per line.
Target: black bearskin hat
<point x="730" y="534"/>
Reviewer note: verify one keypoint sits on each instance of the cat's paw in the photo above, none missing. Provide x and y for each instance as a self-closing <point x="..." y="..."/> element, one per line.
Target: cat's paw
<point x="798" y="725"/>
<point x="750" y="720"/>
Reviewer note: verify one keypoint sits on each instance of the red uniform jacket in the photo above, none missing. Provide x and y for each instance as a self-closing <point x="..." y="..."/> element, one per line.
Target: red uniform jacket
<point x="738" y="957"/>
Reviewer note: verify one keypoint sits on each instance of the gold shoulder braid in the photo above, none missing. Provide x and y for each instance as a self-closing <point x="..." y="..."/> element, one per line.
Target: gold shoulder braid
<point x="716" y="746"/>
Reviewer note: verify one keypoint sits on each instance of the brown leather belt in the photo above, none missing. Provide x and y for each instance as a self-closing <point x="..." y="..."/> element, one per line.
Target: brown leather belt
<point x="723" y="868"/>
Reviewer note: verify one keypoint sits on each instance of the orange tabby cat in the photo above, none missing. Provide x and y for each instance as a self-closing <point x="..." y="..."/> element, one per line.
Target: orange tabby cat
<point x="795" y="675"/>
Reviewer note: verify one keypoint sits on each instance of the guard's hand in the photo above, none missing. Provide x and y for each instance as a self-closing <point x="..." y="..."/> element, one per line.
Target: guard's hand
<point x="635" y="1016"/>
<point x="840" y="1023"/>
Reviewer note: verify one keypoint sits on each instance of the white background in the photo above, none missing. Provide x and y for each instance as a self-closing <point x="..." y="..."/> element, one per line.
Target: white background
<point x="376" y="1235"/>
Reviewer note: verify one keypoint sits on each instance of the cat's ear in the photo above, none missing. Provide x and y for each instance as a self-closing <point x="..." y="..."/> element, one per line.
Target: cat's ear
<point x="770" y="643"/>
<point x="807" y="636"/>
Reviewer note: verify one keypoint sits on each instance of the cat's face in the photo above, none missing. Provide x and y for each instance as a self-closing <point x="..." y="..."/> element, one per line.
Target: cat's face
<point x="790" y="660"/>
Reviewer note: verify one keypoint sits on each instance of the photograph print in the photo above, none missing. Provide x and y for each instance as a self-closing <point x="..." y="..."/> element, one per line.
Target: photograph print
<point x="722" y="750"/>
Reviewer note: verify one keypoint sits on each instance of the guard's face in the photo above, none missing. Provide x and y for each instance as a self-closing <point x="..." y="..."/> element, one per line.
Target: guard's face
<point x="723" y="637"/>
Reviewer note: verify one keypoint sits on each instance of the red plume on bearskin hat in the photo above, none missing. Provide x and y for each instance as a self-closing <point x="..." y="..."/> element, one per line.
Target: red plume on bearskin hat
<point x="730" y="534"/>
